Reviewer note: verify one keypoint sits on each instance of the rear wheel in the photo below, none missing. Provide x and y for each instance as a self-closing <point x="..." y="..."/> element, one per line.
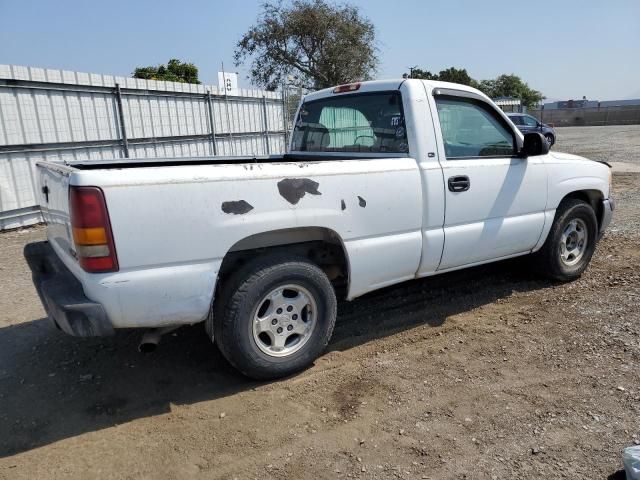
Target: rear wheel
<point x="571" y="242"/>
<point x="275" y="317"/>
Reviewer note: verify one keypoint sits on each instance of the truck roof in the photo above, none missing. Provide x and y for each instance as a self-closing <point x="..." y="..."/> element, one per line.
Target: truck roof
<point x="393" y="84"/>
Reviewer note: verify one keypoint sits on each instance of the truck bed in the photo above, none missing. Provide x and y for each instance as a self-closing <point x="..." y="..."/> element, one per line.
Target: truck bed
<point x="173" y="226"/>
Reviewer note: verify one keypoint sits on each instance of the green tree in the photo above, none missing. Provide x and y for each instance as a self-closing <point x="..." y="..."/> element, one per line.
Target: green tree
<point x="457" y="75"/>
<point x="511" y="86"/>
<point x="502" y="86"/>
<point x="422" y="74"/>
<point x="174" y="71"/>
<point x="488" y="87"/>
<point x="451" y="74"/>
<point x="319" y="43"/>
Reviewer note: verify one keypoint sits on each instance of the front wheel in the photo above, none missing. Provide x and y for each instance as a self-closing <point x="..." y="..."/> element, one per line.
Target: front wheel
<point x="550" y="139"/>
<point x="571" y="242"/>
<point x="275" y="317"/>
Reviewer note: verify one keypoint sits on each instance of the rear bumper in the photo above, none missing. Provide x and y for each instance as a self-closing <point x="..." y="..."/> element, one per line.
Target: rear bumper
<point x="62" y="295"/>
<point x="608" y="206"/>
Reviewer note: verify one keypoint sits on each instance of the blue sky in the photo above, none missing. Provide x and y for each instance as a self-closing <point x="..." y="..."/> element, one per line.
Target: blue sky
<point x="566" y="48"/>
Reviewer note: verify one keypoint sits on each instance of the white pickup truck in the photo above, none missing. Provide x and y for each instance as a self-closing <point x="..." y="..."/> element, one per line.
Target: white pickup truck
<point x="385" y="181"/>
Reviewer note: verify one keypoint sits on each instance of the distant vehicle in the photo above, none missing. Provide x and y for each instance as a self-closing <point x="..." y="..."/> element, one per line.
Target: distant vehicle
<point x="527" y="123"/>
<point x="385" y="181"/>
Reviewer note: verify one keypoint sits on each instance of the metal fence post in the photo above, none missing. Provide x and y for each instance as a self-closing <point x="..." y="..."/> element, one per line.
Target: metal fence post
<point x="285" y="114"/>
<point x="226" y="107"/>
<point x="266" y="125"/>
<point x="212" y="123"/>
<point x="123" y="130"/>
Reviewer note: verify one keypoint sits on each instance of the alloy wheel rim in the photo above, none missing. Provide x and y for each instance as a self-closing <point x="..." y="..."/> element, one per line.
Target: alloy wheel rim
<point x="573" y="242"/>
<point x="284" y="320"/>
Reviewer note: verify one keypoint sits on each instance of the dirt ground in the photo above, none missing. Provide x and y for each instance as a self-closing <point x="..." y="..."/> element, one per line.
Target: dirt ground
<point x="487" y="373"/>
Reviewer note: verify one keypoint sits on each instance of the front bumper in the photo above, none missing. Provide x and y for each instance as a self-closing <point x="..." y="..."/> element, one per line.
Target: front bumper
<point x="608" y="206"/>
<point x="62" y="295"/>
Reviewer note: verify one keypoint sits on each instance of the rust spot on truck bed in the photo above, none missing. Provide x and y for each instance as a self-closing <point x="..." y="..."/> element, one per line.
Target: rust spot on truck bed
<point x="362" y="202"/>
<point x="293" y="189"/>
<point x="343" y="205"/>
<point x="237" y="207"/>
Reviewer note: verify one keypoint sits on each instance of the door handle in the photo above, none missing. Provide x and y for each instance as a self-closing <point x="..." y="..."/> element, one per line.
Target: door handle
<point x="459" y="183"/>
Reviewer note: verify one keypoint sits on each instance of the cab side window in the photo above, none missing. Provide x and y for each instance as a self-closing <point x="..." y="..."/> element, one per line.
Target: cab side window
<point x="470" y="128"/>
<point x="530" y="121"/>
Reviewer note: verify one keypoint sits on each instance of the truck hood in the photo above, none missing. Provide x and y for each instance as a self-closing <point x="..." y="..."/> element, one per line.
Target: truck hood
<point x="570" y="156"/>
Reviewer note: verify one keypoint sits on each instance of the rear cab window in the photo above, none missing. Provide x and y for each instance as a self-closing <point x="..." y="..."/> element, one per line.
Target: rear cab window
<point x="364" y="122"/>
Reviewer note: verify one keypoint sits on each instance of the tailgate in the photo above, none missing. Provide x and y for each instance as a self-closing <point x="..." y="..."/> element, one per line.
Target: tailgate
<point x="54" y="202"/>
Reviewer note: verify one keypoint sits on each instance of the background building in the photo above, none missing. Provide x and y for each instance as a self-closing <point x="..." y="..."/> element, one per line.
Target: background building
<point x="510" y="104"/>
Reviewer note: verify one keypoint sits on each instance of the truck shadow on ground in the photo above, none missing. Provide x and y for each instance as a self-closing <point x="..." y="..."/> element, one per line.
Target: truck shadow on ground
<point x="53" y="386"/>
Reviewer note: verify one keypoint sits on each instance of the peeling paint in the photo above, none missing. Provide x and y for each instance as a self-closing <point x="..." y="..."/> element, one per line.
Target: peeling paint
<point x="362" y="202"/>
<point x="343" y="205"/>
<point x="238" y="207"/>
<point x="293" y="189"/>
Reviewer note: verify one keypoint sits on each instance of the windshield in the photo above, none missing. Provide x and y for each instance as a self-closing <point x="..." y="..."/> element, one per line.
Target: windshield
<point x="366" y="122"/>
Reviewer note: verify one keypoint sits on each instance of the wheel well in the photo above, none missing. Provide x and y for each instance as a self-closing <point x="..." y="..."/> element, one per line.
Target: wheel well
<point x="321" y="246"/>
<point x="592" y="197"/>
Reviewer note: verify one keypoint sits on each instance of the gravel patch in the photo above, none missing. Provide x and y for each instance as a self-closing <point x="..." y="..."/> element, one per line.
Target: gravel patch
<point x="613" y="144"/>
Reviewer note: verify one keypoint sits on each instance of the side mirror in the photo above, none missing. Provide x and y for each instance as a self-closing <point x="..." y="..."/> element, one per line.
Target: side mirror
<point x="534" y="144"/>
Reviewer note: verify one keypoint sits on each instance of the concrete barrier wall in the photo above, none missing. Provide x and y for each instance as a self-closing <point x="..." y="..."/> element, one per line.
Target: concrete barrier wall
<point x="570" y="117"/>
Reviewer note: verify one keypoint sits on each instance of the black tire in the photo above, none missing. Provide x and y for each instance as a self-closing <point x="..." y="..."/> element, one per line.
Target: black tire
<point x="235" y="307"/>
<point x="550" y="139"/>
<point x="548" y="260"/>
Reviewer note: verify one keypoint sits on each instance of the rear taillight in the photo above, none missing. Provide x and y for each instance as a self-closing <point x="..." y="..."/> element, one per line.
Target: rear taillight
<point x="92" y="230"/>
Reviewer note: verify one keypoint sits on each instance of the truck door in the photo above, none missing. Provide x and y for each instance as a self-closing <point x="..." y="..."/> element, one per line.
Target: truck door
<point x="494" y="200"/>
